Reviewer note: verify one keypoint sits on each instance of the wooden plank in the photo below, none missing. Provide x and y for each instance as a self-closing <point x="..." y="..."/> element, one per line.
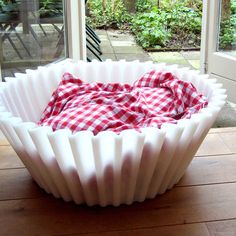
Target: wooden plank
<point x="4" y="142"/>
<point x="222" y="130"/>
<point x="229" y="139"/>
<point x="210" y="170"/>
<point x="176" y="230"/>
<point x="182" y="205"/>
<point x="9" y="159"/>
<point x="16" y="184"/>
<point x="222" y="228"/>
<point x="213" y="145"/>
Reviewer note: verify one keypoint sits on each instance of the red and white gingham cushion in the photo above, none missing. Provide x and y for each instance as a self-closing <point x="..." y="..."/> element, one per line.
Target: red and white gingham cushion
<point x="155" y="98"/>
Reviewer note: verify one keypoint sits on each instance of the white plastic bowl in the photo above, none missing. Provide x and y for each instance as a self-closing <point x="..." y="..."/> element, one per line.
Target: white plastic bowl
<point x="106" y="169"/>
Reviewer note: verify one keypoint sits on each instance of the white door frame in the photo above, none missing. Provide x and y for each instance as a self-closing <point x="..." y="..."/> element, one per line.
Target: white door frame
<point x="217" y="64"/>
<point x="204" y="37"/>
<point x="76" y="32"/>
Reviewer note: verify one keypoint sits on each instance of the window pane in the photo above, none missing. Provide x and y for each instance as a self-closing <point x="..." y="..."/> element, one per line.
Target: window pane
<point x="227" y="37"/>
<point x="32" y="34"/>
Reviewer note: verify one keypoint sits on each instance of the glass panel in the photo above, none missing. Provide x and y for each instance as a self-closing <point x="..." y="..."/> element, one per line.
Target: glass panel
<point x="227" y="33"/>
<point x="32" y="34"/>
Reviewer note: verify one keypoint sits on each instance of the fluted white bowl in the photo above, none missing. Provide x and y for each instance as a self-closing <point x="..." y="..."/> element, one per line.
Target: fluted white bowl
<point x="109" y="168"/>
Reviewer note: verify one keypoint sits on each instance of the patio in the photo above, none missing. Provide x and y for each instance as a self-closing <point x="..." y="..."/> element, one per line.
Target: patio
<point x="117" y="45"/>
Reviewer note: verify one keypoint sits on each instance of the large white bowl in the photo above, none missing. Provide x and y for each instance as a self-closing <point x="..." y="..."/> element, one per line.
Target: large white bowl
<point x="106" y="169"/>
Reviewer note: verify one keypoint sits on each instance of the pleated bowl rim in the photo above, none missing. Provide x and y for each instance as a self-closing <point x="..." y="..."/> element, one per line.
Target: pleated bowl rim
<point x="216" y="102"/>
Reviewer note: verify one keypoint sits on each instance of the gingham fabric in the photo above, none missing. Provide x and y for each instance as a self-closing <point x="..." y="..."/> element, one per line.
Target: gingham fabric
<point x="155" y="98"/>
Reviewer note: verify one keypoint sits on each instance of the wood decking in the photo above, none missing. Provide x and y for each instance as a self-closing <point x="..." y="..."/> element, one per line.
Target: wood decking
<point x="202" y="204"/>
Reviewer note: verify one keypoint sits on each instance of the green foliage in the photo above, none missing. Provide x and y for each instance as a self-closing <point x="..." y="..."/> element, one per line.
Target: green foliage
<point x="49" y="8"/>
<point x="195" y="5"/>
<point x="113" y="14"/>
<point x="227" y="37"/>
<point x="2" y="3"/>
<point x="185" y="26"/>
<point x="9" y="6"/>
<point x="163" y="27"/>
<point x="173" y="23"/>
<point x="151" y="29"/>
<point x="233" y="7"/>
<point x="9" y="10"/>
<point x="145" y="5"/>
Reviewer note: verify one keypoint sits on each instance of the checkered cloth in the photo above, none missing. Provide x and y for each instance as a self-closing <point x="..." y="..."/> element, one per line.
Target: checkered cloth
<point x="155" y="98"/>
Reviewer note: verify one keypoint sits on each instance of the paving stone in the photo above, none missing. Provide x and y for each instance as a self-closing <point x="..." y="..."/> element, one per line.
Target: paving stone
<point x="180" y="63"/>
<point x="195" y="64"/>
<point x="131" y="57"/>
<point x="191" y="55"/>
<point x="111" y="56"/>
<point x="101" y="32"/>
<point x="128" y="49"/>
<point x="166" y="56"/>
<point x="125" y="43"/>
<point x="232" y="105"/>
<point x="107" y="49"/>
<point x="227" y="116"/>
<point x="120" y="34"/>
<point x="2" y="137"/>
<point x="104" y="38"/>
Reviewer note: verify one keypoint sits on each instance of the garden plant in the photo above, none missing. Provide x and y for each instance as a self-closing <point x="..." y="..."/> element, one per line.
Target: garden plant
<point x="156" y="24"/>
<point x="161" y="24"/>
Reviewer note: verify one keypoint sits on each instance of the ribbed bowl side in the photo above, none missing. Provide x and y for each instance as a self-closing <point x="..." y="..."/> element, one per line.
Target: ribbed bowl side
<point x="106" y="169"/>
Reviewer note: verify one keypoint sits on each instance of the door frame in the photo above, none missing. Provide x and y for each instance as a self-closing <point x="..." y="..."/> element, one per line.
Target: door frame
<point x="216" y="63"/>
<point x="75" y="32"/>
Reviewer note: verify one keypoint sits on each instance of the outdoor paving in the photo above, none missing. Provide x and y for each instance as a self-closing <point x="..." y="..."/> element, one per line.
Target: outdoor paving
<point x="117" y="45"/>
<point x="227" y="116"/>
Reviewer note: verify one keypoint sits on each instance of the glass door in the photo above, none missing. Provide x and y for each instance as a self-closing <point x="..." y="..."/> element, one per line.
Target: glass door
<point x="219" y="43"/>
<point x="32" y="34"/>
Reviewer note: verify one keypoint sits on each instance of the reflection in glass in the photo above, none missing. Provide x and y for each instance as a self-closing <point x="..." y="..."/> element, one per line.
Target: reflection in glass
<point x="227" y="34"/>
<point x="32" y="34"/>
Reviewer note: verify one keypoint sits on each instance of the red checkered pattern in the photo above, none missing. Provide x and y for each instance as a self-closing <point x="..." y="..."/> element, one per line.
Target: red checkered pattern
<point x="154" y="99"/>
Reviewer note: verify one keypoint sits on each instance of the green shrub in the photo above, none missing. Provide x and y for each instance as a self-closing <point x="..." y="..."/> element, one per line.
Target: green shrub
<point x="49" y="8"/>
<point x="2" y="4"/>
<point x="145" y="5"/>
<point x="150" y="29"/>
<point x="9" y="6"/>
<point x="112" y="15"/>
<point x="168" y="27"/>
<point x="227" y="37"/>
<point x="233" y="7"/>
<point x="174" y="23"/>
<point x="185" y="27"/>
<point x="195" y="5"/>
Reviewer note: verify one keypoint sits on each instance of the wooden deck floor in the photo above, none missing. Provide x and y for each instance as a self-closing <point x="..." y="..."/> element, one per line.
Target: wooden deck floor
<point x="202" y="204"/>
